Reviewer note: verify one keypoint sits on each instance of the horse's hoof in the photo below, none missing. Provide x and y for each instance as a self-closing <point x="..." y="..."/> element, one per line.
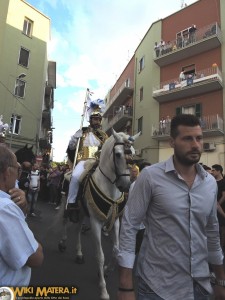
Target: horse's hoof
<point x="79" y="260"/>
<point x="62" y="246"/>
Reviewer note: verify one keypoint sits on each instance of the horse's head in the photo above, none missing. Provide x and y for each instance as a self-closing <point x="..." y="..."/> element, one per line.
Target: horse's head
<point x="116" y="156"/>
<point x="25" y="154"/>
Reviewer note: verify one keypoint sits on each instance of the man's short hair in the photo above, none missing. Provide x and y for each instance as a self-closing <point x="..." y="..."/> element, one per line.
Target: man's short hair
<point x="185" y="120"/>
<point x="218" y="168"/>
<point x="6" y="158"/>
<point x="143" y="165"/>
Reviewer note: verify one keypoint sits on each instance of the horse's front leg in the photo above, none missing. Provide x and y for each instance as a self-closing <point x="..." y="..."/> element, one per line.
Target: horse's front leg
<point x="96" y="228"/>
<point x="79" y="253"/>
<point x="115" y="236"/>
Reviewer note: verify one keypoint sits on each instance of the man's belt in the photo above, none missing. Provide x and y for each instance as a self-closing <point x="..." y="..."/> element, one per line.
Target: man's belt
<point x="87" y="152"/>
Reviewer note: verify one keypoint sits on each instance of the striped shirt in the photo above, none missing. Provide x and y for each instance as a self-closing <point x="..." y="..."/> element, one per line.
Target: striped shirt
<point x="181" y="234"/>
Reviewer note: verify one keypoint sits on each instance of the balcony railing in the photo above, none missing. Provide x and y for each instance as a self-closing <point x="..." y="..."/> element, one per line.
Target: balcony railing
<point x="204" y="39"/>
<point x="202" y="81"/>
<point x="123" y="92"/>
<point x="121" y="116"/>
<point x="211" y="126"/>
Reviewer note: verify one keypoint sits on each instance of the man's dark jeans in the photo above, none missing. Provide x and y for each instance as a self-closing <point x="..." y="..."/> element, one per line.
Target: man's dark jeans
<point x="145" y="293"/>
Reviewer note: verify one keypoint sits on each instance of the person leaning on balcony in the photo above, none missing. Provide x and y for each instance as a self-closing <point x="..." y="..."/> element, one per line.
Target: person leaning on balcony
<point x="178" y="204"/>
<point x="192" y="33"/>
<point x="182" y="76"/>
<point x="19" y="250"/>
<point x="157" y="49"/>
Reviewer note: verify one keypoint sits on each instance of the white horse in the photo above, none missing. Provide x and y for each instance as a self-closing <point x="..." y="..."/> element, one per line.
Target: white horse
<point x="104" y="198"/>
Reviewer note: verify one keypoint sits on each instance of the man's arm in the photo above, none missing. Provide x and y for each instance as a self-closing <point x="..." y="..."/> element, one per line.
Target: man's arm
<point x="74" y="139"/>
<point x="126" y="287"/>
<point x="36" y="259"/>
<point x="222" y="199"/>
<point x="220" y="210"/>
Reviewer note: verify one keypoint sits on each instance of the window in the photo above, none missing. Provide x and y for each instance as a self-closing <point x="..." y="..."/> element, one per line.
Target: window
<point x="195" y="109"/>
<point x="141" y="64"/>
<point x="127" y="83"/>
<point x="189" y="70"/>
<point x="20" y="88"/>
<point x="140" y="122"/>
<point x="141" y="93"/>
<point x="27" y="27"/>
<point x="15" y="124"/>
<point x="24" y="57"/>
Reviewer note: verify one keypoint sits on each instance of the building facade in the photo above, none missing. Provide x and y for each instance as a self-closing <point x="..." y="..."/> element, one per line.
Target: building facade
<point x="179" y="68"/>
<point x="27" y="78"/>
<point x="119" y="102"/>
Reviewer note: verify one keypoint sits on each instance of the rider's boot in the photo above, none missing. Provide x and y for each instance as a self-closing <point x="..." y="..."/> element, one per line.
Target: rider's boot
<point x="72" y="212"/>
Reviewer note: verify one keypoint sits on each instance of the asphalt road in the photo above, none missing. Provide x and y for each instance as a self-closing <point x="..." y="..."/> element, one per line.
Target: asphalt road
<point x="60" y="269"/>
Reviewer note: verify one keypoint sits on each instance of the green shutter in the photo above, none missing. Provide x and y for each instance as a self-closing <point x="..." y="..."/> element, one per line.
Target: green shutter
<point x="178" y="111"/>
<point x="198" y="110"/>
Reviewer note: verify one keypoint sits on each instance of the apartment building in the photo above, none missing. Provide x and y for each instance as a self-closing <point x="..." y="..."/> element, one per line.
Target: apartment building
<point x="179" y="68"/>
<point x="119" y="102"/>
<point x="27" y="78"/>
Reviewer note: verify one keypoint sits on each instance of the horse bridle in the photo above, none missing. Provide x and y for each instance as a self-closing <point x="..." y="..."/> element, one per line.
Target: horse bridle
<point x="128" y="158"/>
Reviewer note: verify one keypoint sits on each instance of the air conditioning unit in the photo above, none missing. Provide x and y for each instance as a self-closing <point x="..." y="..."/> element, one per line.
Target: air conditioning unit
<point x="209" y="146"/>
<point x="138" y="152"/>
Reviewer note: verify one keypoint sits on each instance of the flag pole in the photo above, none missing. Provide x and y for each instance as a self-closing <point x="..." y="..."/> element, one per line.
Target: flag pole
<point x="81" y="126"/>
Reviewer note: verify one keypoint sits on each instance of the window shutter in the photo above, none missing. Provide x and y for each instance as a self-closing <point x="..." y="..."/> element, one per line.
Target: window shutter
<point x="198" y="110"/>
<point x="178" y="111"/>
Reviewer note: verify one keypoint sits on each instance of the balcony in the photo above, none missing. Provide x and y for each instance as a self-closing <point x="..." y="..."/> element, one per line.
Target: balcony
<point x="46" y="119"/>
<point x="124" y="92"/>
<point x="121" y="117"/>
<point x="212" y="126"/>
<point x="204" y="39"/>
<point x="49" y="95"/>
<point x="204" y="81"/>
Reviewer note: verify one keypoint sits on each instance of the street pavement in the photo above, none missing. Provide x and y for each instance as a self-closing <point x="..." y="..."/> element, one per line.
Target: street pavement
<point x="60" y="269"/>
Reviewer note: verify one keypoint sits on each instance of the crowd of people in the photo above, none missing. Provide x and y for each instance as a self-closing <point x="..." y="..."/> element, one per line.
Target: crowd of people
<point x="44" y="183"/>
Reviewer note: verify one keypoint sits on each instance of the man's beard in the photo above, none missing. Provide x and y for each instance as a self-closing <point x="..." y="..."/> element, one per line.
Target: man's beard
<point x="187" y="160"/>
<point x="95" y="127"/>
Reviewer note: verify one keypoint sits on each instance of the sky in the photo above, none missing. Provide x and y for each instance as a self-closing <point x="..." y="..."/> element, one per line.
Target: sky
<point x="92" y="41"/>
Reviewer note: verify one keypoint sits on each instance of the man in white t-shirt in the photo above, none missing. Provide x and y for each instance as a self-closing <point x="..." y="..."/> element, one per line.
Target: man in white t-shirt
<point x="34" y="188"/>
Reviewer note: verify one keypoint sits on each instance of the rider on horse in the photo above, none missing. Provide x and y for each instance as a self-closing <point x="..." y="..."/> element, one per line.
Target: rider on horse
<point x="92" y="139"/>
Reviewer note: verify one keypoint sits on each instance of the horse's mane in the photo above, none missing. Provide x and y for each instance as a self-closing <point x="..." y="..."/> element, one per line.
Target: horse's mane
<point x="124" y="138"/>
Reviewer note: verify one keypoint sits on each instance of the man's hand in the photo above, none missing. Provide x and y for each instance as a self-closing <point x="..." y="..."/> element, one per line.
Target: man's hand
<point x="19" y="198"/>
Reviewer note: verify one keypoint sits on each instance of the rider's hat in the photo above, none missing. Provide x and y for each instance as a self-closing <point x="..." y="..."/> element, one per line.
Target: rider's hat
<point x="96" y="114"/>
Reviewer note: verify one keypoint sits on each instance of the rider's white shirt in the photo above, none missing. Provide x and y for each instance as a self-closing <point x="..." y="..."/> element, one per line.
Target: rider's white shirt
<point x="91" y="140"/>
